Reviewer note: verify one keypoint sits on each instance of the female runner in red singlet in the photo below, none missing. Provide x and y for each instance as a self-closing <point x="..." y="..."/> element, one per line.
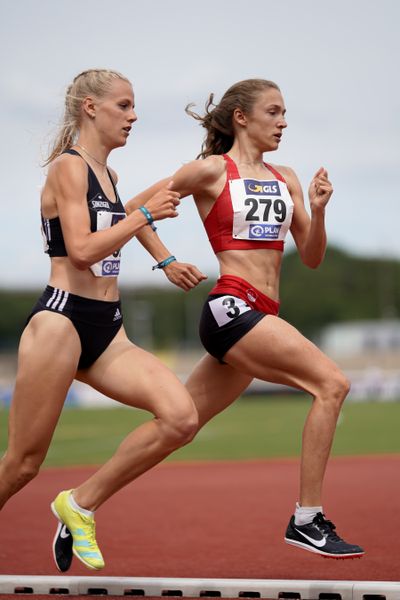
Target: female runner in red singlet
<point x="247" y="207"/>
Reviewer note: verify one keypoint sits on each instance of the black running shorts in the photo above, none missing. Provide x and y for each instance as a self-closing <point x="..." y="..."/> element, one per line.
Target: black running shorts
<point x="233" y="307"/>
<point x="97" y="322"/>
<point x="224" y="320"/>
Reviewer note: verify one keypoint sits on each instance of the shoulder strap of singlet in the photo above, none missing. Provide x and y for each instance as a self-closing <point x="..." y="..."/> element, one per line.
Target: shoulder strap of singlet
<point x="92" y="175"/>
<point x="114" y="186"/>
<point x="275" y="172"/>
<point x="231" y="168"/>
<point x="233" y="172"/>
<point x="72" y="151"/>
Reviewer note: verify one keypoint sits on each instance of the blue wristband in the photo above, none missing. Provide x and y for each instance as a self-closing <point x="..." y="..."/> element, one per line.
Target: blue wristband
<point x="148" y="216"/>
<point x="164" y="263"/>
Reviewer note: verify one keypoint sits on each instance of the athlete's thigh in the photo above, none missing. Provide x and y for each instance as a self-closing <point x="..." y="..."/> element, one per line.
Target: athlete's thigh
<point x="214" y="386"/>
<point x="135" y="377"/>
<point x="275" y="351"/>
<point x="47" y="359"/>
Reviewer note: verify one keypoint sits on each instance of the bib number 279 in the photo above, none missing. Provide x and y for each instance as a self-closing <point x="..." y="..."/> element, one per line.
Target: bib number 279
<point x="278" y="207"/>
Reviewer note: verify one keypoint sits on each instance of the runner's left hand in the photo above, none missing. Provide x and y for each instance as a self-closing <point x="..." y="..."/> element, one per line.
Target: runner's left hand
<point x="320" y="189"/>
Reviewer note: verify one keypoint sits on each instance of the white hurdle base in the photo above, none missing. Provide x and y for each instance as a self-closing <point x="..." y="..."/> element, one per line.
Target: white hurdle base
<point x="281" y="589"/>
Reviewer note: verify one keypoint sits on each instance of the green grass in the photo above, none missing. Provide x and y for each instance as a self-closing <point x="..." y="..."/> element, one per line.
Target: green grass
<point x="251" y="428"/>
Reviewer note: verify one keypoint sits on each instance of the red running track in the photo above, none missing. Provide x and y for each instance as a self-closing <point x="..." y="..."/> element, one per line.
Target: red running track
<point x="216" y="520"/>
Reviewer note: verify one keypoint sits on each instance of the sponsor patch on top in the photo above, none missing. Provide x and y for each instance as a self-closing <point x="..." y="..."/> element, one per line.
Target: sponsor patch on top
<point x="264" y="231"/>
<point x="99" y="204"/>
<point x="262" y="188"/>
<point x="110" y="267"/>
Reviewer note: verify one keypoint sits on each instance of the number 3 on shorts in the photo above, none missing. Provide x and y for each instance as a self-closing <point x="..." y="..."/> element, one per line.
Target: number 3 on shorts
<point x="227" y="308"/>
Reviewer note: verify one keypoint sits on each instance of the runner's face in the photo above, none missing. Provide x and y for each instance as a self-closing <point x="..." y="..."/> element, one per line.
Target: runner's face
<point x="266" y="122"/>
<point x="115" y="114"/>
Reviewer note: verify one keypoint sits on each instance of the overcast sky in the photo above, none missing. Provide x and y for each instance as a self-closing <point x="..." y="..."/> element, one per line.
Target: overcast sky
<point x="336" y="62"/>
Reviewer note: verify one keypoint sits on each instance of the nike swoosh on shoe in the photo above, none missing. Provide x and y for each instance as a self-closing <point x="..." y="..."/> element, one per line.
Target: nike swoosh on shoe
<point x="319" y="543"/>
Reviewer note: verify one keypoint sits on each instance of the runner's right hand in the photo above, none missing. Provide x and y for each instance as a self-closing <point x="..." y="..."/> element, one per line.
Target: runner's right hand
<point x="163" y="204"/>
<point x="184" y="275"/>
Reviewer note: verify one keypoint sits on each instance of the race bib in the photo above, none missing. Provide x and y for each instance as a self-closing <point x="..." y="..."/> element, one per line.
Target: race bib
<point x="109" y="266"/>
<point x="227" y="308"/>
<point x="262" y="210"/>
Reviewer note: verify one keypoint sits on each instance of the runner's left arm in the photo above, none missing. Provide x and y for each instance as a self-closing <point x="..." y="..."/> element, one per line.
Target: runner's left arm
<point x="308" y="232"/>
<point x="183" y="275"/>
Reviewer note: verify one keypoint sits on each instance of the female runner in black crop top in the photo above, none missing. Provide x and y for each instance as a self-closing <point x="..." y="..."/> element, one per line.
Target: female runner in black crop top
<point x="75" y="330"/>
<point x="247" y="206"/>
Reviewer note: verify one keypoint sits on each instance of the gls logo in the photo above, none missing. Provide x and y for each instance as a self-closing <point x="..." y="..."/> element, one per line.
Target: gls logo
<point x="264" y="232"/>
<point x="262" y="188"/>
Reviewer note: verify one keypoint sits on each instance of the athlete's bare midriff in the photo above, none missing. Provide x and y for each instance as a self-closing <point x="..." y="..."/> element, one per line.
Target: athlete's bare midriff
<point x="259" y="267"/>
<point x="65" y="276"/>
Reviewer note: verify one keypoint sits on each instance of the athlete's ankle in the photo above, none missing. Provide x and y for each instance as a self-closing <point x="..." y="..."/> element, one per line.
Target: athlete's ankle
<point x="305" y="514"/>
<point x="74" y="504"/>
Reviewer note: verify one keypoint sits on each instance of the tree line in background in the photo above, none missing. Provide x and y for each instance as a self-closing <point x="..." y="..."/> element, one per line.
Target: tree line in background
<point x="344" y="288"/>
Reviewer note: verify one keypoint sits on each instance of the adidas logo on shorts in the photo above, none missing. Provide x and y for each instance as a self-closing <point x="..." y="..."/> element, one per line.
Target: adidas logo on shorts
<point x="117" y="315"/>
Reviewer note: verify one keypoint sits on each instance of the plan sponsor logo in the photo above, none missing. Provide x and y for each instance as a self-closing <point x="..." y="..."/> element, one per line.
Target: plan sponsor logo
<point x="110" y="267"/>
<point x="264" y="232"/>
<point x="261" y="188"/>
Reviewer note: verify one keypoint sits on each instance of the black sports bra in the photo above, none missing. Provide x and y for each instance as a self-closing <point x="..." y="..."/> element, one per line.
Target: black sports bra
<point x="103" y="213"/>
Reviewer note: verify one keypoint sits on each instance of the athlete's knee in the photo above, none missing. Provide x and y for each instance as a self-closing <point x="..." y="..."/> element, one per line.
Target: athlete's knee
<point x="340" y="386"/>
<point x="189" y="427"/>
<point x="185" y="427"/>
<point x="181" y="427"/>
<point x="21" y="469"/>
<point x="337" y="386"/>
